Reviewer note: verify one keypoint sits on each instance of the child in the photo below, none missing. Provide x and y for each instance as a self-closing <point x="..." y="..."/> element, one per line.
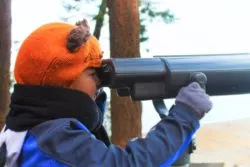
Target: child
<point x="54" y="119"/>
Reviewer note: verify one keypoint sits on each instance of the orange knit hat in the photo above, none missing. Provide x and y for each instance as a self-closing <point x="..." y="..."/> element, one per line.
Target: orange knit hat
<point x="56" y="54"/>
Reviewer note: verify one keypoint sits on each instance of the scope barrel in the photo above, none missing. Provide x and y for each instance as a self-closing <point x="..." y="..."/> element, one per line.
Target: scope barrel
<point x="162" y="76"/>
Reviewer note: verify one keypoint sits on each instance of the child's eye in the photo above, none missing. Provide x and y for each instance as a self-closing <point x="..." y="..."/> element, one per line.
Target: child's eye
<point x="93" y="74"/>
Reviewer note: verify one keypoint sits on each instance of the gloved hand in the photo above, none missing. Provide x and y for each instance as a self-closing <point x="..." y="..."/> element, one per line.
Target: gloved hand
<point x="101" y="101"/>
<point x="195" y="98"/>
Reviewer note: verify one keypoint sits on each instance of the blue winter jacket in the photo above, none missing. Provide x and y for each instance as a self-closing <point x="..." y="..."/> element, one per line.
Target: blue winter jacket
<point x="54" y="127"/>
<point x="67" y="142"/>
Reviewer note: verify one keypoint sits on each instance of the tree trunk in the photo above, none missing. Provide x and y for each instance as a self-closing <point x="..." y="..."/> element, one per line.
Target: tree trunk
<point x="5" y="47"/>
<point x="124" y="42"/>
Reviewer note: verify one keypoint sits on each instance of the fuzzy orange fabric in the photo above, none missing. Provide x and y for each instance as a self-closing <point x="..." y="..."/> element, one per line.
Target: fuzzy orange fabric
<point x="43" y="58"/>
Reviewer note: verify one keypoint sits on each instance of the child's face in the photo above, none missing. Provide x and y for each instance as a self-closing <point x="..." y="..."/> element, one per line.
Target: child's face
<point x="87" y="82"/>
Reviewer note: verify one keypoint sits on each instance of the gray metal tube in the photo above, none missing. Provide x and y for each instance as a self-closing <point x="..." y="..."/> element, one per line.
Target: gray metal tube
<point x="162" y="77"/>
<point x="226" y="74"/>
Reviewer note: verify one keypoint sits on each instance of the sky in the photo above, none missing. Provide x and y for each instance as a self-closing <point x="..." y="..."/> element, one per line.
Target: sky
<point x="203" y="26"/>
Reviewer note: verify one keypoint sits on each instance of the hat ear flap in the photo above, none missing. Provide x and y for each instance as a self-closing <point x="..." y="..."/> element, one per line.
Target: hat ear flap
<point x="78" y="36"/>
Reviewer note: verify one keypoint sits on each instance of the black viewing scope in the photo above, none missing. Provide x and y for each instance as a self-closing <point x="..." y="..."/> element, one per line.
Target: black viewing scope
<point x="162" y="77"/>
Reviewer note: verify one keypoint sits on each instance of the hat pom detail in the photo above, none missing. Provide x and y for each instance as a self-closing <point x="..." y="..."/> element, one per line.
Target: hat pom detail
<point x="78" y="36"/>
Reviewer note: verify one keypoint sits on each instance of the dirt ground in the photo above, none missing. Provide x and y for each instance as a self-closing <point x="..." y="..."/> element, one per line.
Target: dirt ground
<point x="227" y="142"/>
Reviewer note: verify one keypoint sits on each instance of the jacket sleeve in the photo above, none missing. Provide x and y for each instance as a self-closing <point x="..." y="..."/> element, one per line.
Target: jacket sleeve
<point x="161" y="147"/>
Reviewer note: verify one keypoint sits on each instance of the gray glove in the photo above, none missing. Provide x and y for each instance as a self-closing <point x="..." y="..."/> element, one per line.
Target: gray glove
<point x="195" y="98"/>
